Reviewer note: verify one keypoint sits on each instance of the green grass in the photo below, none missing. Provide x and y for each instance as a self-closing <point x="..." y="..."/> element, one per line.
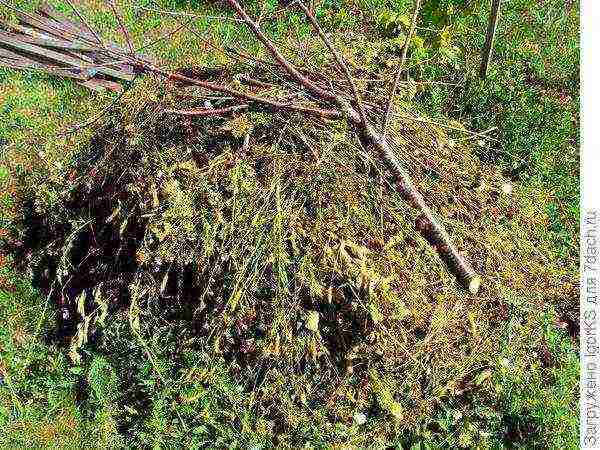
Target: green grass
<point x="146" y="386"/>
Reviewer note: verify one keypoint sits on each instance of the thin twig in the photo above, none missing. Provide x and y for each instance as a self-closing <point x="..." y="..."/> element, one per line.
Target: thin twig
<point x="482" y="134"/>
<point x="442" y="125"/>
<point x="338" y="58"/>
<point x="400" y="68"/>
<point x="122" y="26"/>
<point x="185" y="14"/>
<point x="85" y="23"/>
<point x="163" y="37"/>
<point x="207" y="111"/>
<point x="98" y="116"/>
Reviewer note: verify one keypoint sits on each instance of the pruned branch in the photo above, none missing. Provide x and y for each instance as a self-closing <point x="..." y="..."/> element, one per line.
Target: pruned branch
<point x="431" y="228"/>
<point x="436" y="233"/>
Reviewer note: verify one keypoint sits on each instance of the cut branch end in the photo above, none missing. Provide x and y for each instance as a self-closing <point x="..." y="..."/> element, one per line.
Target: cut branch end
<point x="475" y="284"/>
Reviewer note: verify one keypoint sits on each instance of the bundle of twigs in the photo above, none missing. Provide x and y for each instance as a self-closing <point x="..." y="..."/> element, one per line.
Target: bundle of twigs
<point x="311" y="97"/>
<point x="48" y="41"/>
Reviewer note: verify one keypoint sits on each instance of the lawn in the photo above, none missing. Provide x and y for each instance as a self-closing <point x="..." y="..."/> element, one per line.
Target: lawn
<point x="453" y="370"/>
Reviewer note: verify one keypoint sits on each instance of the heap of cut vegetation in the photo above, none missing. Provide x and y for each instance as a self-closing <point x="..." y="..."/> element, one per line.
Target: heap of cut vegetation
<point x="256" y="227"/>
<point x="278" y="251"/>
<point x="313" y="94"/>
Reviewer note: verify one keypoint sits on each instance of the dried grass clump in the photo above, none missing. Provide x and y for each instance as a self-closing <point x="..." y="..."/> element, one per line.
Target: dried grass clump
<point x="289" y="256"/>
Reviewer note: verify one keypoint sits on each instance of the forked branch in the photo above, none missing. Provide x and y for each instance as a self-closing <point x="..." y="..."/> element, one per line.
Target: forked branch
<point x="283" y="62"/>
<point x="433" y="230"/>
<point x="339" y="59"/>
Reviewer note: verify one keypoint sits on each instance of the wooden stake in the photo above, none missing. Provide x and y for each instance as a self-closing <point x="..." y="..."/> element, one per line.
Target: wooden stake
<point x="489" y="39"/>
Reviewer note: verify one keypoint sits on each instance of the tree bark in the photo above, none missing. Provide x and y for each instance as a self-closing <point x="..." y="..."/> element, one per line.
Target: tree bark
<point x="428" y="224"/>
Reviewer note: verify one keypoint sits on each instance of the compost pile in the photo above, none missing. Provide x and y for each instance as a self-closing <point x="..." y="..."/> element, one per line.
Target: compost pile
<point x="278" y="249"/>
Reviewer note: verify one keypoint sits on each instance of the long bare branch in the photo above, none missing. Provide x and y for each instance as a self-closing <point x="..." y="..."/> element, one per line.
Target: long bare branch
<point x="427" y="223"/>
<point x="185" y="14"/>
<point x="266" y="102"/>
<point x="400" y="69"/>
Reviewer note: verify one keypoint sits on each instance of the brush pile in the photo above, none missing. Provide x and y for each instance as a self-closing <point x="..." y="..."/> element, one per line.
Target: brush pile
<point x="279" y="253"/>
<point x="316" y="95"/>
<point x="279" y="221"/>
